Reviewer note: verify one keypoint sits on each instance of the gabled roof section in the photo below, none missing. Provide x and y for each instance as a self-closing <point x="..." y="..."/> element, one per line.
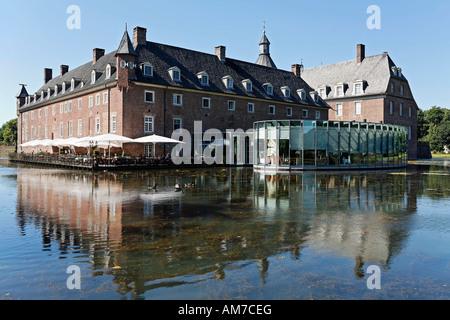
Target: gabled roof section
<point x="126" y="47"/>
<point x="22" y="93"/>
<point x="375" y="71"/>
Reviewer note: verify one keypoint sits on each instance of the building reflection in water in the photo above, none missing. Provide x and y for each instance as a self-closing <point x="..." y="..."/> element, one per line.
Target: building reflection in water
<point x="149" y="239"/>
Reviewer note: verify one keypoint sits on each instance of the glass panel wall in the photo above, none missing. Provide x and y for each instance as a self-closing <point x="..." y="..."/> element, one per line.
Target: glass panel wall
<point x="329" y="144"/>
<point x="296" y="143"/>
<point x="283" y="136"/>
<point x="354" y="144"/>
<point x="322" y="143"/>
<point x="309" y="136"/>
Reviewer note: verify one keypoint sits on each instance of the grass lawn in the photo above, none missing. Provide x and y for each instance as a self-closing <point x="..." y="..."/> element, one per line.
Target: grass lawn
<point x="441" y="155"/>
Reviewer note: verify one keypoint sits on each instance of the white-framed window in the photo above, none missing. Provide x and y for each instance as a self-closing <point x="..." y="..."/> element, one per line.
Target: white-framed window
<point x="272" y="110"/>
<point x="323" y="92"/>
<point x="251" y="108"/>
<point x="301" y="94"/>
<point x="53" y="110"/>
<point x="410" y="112"/>
<point x="289" y="112"/>
<point x="66" y="107"/>
<point x="113" y="124"/>
<point x="72" y="84"/>
<point x="314" y="96"/>
<point x="149" y="96"/>
<point x="340" y="91"/>
<point x="177" y="99"/>
<point x="317" y="115"/>
<point x="39" y="113"/>
<point x="61" y="108"/>
<point x="93" y="76"/>
<point x="206" y="103"/>
<point x="401" y="109"/>
<point x="339" y="109"/>
<point x="228" y="82"/>
<point x="147" y="69"/>
<point x="148" y="150"/>
<point x="32" y="115"/>
<point x="39" y="132"/>
<point x="97" y="99"/>
<point x="61" y="129"/>
<point x="268" y="88"/>
<point x="32" y="133"/>
<point x="304" y="113"/>
<point x="148" y="124"/>
<point x="358" y="107"/>
<point x="46" y="112"/>
<point x="80" y="127"/>
<point x="175" y="74"/>
<point x="358" y="88"/>
<point x="56" y="90"/>
<point x="70" y="128"/>
<point x="70" y="106"/>
<point x="391" y="107"/>
<point x="97" y="125"/>
<point x="248" y="86"/>
<point x="108" y="71"/>
<point x="80" y="104"/>
<point x="63" y="87"/>
<point x="49" y="93"/>
<point x="203" y="77"/>
<point x="105" y="97"/>
<point x="286" y="92"/>
<point x="176" y="124"/>
<point x="231" y="105"/>
<point x="91" y="101"/>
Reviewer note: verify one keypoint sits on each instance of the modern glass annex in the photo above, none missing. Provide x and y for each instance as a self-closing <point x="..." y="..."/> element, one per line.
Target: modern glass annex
<point x="305" y="145"/>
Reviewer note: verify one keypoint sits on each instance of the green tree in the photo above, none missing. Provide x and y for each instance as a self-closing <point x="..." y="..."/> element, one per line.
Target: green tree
<point x="422" y="125"/>
<point x="435" y="115"/>
<point x="10" y="132"/>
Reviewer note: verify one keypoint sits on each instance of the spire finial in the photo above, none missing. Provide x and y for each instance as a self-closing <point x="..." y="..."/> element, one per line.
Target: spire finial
<point x="126" y="27"/>
<point x="264" y="27"/>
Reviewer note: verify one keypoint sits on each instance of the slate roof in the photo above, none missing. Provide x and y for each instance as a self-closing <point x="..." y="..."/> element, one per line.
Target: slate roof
<point x="374" y="70"/>
<point x="190" y="63"/>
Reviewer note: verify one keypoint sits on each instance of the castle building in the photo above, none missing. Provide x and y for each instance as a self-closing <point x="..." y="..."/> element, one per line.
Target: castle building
<point x="367" y="89"/>
<point x="146" y="88"/>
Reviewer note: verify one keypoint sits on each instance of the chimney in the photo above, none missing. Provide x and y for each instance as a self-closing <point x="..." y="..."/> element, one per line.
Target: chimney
<point x="360" y="53"/>
<point x="139" y="36"/>
<point x="48" y="75"/>
<point x="297" y="69"/>
<point x="220" y="53"/>
<point x="98" y="53"/>
<point x="64" y="69"/>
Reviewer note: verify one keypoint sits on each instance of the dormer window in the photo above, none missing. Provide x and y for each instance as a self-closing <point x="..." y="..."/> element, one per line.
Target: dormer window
<point x="175" y="74"/>
<point x="63" y="87"/>
<point x="42" y="95"/>
<point x="93" y="76"/>
<point x="147" y="69"/>
<point x="314" y="96"/>
<point x="247" y="85"/>
<point x="323" y="92"/>
<point x="72" y="85"/>
<point x="49" y="93"/>
<point x="108" y="71"/>
<point x="286" y="91"/>
<point x="268" y="88"/>
<point x="358" y="87"/>
<point x="301" y="94"/>
<point x="56" y="89"/>
<point x="394" y="70"/>
<point x="203" y="78"/>
<point x="228" y="82"/>
<point x="339" y="90"/>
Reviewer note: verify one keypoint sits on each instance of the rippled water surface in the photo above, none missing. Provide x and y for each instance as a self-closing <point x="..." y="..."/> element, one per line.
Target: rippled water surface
<point x="229" y="234"/>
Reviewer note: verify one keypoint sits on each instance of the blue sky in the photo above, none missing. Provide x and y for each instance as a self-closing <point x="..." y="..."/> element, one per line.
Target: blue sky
<point x="415" y="34"/>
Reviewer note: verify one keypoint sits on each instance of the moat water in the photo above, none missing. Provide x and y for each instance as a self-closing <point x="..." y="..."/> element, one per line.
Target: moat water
<point x="231" y="233"/>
